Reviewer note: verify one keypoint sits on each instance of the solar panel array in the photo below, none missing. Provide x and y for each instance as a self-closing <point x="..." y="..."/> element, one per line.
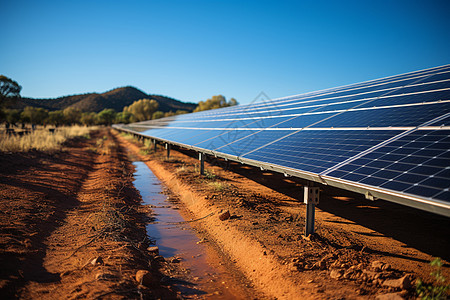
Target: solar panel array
<point x="389" y="137"/>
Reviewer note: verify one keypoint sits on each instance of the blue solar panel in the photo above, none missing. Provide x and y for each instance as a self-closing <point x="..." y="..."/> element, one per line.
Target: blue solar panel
<point x="418" y="164"/>
<point x="389" y="136"/>
<point x="315" y="151"/>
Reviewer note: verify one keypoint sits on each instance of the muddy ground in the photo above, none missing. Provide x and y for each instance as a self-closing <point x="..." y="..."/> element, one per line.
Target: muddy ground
<point x="72" y="227"/>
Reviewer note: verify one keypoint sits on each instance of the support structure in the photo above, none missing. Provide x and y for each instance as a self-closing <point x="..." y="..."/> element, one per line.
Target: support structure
<point x="311" y="199"/>
<point x="168" y="150"/>
<point x="201" y="158"/>
<point x="154" y="145"/>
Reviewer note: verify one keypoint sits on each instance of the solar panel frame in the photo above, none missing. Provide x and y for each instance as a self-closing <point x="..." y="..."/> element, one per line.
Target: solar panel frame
<point x="236" y="126"/>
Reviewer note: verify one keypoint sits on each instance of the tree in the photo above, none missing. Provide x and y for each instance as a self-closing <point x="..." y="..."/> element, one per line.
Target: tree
<point x="71" y="115"/>
<point x="215" y="102"/>
<point x="88" y="118"/>
<point x="123" y="117"/>
<point x="9" y="91"/>
<point x="34" y="115"/>
<point x="158" y="115"/>
<point x="142" y="109"/>
<point x="12" y="116"/>
<point x="106" y="116"/>
<point x="55" y="117"/>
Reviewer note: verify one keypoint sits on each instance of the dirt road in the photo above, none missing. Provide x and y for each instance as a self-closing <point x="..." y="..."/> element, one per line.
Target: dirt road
<point x="362" y="249"/>
<point x="73" y="226"/>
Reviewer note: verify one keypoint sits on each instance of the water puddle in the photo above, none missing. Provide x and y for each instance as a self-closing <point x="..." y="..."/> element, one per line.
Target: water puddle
<point x="203" y="274"/>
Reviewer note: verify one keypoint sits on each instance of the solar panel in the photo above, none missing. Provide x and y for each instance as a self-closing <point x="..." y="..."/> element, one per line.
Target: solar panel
<point x="389" y="138"/>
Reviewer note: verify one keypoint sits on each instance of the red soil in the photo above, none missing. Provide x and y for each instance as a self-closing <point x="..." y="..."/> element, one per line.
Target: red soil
<point x="264" y="236"/>
<point x="61" y="211"/>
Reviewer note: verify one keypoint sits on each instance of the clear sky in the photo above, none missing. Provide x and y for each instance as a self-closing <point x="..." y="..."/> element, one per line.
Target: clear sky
<point x="191" y="50"/>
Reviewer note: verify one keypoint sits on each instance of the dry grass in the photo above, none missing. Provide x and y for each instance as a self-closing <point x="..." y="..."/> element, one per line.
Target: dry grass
<point x="219" y="186"/>
<point x="41" y="140"/>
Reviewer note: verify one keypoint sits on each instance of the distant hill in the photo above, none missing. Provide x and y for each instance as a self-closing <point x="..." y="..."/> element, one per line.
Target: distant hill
<point x="116" y="99"/>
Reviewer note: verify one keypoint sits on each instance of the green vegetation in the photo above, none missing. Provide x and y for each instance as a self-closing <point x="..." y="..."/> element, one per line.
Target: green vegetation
<point x="142" y="110"/>
<point x="215" y="102"/>
<point x="9" y="91"/>
<point x="436" y="290"/>
<point x="79" y="109"/>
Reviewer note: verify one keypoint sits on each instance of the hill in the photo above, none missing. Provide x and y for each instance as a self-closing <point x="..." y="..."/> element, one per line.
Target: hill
<point x="116" y="99"/>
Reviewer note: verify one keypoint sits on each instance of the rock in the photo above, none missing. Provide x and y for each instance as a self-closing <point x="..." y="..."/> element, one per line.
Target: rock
<point x="336" y="274"/>
<point x="203" y="240"/>
<point x="153" y="250"/>
<point x="401" y="283"/>
<point x="97" y="261"/>
<point x="377" y="265"/>
<point x="160" y="258"/>
<point x="293" y="267"/>
<point x="104" y="276"/>
<point x="175" y="260"/>
<point x="224" y="215"/>
<point x="371" y="275"/>
<point x="145" y="278"/>
<point x="389" y="296"/>
<point x="386" y="267"/>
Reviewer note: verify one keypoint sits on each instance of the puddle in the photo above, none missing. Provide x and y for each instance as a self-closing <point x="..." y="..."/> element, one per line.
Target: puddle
<point x="203" y="274"/>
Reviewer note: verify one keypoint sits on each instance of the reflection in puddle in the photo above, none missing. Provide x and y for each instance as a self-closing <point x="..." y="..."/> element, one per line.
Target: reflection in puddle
<point x="203" y="275"/>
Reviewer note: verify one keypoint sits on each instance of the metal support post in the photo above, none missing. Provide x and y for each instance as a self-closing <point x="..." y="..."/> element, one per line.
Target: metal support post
<point x="154" y="145"/>
<point x="168" y="150"/>
<point x="201" y="157"/>
<point x="311" y="199"/>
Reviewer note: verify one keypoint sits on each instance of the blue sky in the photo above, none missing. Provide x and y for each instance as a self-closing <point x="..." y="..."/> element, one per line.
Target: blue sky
<point x="191" y="50"/>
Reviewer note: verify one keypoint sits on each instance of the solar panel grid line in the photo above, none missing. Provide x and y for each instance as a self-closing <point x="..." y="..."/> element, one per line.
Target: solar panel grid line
<point x="439" y="207"/>
<point x="334" y="90"/>
<point x="433" y="205"/>
<point x="225" y="132"/>
<point x="291" y="134"/>
<point x="245" y="137"/>
<point x="330" y="181"/>
<point x="269" y="142"/>
<point x="310" y="128"/>
<point x="333" y="111"/>
<point x="337" y="103"/>
<point x="204" y="120"/>
<point x="400" y="135"/>
<point x="387" y="136"/>
<point x="424" y="167"/>
<point x="218" y="128"/>
<point x="356" y="100"/>
<point x="241" y="139"/>
<point x="358" y="87"/>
